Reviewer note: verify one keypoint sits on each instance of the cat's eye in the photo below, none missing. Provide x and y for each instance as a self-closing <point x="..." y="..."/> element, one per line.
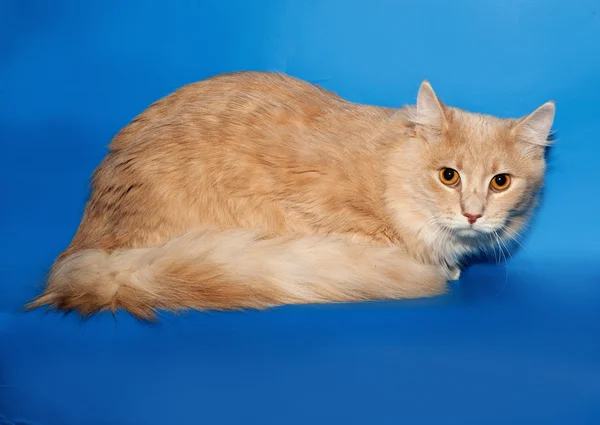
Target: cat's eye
<point x="449" y="176"/>
<point x="500" y="182"/>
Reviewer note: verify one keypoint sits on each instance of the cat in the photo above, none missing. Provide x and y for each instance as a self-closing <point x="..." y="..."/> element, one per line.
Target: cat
<point x="257" y="189"/>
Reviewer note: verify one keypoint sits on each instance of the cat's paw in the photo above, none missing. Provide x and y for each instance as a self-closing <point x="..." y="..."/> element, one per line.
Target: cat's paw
<point x="453" y="273"/>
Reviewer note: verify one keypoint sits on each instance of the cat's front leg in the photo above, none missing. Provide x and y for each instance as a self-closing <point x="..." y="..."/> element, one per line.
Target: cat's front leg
<point x="453" y="273"/>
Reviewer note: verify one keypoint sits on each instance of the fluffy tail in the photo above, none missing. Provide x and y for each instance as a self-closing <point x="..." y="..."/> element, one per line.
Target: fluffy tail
<point x="223" y="270"/>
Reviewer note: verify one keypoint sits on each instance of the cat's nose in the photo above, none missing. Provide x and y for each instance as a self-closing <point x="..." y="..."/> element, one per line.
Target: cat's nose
<point x="472" y="217"/>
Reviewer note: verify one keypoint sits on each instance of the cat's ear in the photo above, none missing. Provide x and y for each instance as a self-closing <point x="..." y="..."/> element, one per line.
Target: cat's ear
<point x="535" y="128"/>
<point x="430" y="111"/>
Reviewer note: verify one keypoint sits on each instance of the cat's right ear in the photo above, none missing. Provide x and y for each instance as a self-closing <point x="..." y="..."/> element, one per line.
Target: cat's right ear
<point x="430" y="111"/>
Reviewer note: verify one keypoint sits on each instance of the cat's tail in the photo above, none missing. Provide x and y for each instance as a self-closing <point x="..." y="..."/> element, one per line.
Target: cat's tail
<point x="223" y="270"/>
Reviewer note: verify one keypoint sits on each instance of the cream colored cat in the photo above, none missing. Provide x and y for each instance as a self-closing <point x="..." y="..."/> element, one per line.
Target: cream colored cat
<point x="251" y="190"/>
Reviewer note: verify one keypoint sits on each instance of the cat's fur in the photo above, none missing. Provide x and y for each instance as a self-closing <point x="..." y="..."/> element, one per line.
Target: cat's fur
<point x="258" y="189"/>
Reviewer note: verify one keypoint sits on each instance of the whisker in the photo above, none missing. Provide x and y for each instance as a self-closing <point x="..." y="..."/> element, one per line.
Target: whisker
<point x="499" y="241"/>
<point x="513" y="236"/>
<point x="493" y="247"/>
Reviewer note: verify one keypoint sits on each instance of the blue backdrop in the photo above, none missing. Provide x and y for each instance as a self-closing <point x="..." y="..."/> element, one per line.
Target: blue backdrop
<point x="511" y="344"/>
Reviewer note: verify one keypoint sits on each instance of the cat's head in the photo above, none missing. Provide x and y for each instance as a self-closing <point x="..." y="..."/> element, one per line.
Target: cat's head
<point x="473" y="177"/>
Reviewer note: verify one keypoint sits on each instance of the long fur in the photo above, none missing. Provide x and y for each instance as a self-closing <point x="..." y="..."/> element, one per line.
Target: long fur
<point x="224" y="270"/>
<point x="251" y="190"/>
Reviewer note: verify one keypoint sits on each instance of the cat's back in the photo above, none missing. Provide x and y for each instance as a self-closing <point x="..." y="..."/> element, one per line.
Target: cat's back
<point x="232" y="99"/>
<point x="263" y="106"/>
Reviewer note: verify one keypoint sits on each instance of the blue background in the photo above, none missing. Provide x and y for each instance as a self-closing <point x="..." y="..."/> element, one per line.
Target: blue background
<point x="511" y="344"/>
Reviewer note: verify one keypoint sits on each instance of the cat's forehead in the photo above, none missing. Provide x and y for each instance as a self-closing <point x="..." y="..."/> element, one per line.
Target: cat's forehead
<point x="480" y="141"/>
<point x="484" y="129"/>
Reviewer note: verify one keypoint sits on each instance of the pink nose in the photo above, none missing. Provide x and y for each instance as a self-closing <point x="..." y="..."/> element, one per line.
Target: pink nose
<point x="472" y="217"/>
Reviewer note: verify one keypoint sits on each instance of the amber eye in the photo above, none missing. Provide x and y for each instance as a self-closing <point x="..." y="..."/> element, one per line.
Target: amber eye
<point x="500" y="182"/>
<point x="449" y="177"/>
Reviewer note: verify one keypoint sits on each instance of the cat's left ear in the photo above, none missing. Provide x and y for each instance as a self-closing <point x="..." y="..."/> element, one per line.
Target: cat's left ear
<point x="535" y="128"/>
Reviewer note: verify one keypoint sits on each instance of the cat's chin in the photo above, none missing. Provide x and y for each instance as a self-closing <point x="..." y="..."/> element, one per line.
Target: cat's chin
<point x="472" y="233"/>
<point x="466" y="231"/>
<point x="469" y="233"/>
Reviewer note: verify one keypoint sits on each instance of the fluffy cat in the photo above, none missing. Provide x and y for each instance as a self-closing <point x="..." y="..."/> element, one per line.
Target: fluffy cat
<point x="251" y="190"/>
